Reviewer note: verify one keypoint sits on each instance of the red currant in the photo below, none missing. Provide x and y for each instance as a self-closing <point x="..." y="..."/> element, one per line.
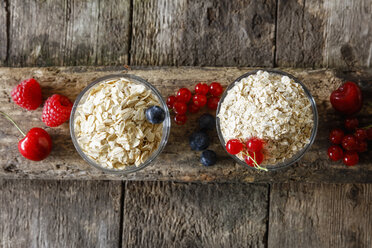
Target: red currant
<point x="361" y="134"/>
<point x="183" y="95"/>
<point x="369" y="133"/>
<point x="199" y="100"/>
<point x="349" y="142"/>
<point x="362" y="146"/>
<point x="180" y="119"/>
<point x="351" y="158"/>
<point x="234" y="146"/>
<point x="351" y="123"/>
<point x="180" y="108"/>
<point x="193" y="108"/>
<point x="213" y="102"/>
<point x="170" y="101"/>
<point x="255" y="144"/>
<point x="201" y="88"/>
<point x="215" y="89"/>
<point x="335" y="153"/>
<point x="257" y="156"/>
<point x="336" y="135"/>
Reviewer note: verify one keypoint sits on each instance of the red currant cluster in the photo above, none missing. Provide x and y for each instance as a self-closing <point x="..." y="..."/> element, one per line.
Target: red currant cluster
<point x="348" y="100"/>
<point x="180" y="103"/>
<point x="251" y="150"/>
<point x="352" y="143"/>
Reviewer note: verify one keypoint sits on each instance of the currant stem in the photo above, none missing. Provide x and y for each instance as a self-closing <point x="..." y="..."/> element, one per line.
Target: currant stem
<point x="13" y="122"/>
<point x="367" y="126"/>
<point x="256" y="165"/>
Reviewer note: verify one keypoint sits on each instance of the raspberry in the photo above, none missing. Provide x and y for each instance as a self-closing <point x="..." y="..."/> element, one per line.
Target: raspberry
<point x="56" y="110"/>
<point x="27" y="94"/>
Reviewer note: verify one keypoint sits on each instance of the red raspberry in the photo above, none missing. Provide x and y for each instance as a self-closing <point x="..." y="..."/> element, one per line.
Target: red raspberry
<point x="27" y="94"/>
<point x="56" y="110"/>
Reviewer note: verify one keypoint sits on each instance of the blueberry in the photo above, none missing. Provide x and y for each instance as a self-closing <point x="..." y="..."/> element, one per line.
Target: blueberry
<point x="155" y="114"/>
<point x="208" y="158"/>
<point x="199" y="141"/>
<point x="207" y="122"/>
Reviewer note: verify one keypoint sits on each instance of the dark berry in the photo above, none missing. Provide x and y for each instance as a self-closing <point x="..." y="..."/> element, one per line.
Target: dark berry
<point x="193" y="108"/>
<point x="362" y="146"/>
<point x="208" y="158"/>
<point x="336" y="135"/>
<point x="361" y="134"/>
<point x="199" y="141"/>
<point x="206" y="122"/>
<point x="155" y="114"/>
<point x="351" y="123"/>
<point x="369" y="133"/>
<point x="213" y="103"/>
<point x="335" y="153"/>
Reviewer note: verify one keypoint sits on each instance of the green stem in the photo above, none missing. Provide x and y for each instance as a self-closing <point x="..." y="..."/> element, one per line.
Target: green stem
<point x="367" y="126"/>
<point x="13" y="122"/>
<point x="256" y="165"/>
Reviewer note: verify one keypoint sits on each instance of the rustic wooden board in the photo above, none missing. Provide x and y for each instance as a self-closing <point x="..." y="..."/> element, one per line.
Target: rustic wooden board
<point x="218" y="33"/>
<point x="165" y="214"/>
<point x="36" y="213"/>
<point x="69" y="32"/>
<point x="3" y="32"/>
<point x="324" y="33"/>
<point x="320" y="215"/>
<point x="177" y="162"/>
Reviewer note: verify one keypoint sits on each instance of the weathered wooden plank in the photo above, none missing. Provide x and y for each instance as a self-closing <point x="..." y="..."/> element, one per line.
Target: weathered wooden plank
<point x="324" y="33"/>
<point x="163" y="214"/>
<point x="320" y="215"/>
<point x="68" y="32"/>
<point x="59" y="213"/>
<point x="177" y="162"/>
<point x="218" y="33"/>
<point x="3" y="32"/>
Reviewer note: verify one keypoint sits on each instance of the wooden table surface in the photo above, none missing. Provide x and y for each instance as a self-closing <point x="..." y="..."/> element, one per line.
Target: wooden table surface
<point x="295" y="207"/>
<point x="177" y="162"/>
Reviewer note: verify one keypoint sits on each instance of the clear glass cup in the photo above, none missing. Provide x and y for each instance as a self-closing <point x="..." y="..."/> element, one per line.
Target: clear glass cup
<point x="295" y="158"/>
<point x="165" y="132"/>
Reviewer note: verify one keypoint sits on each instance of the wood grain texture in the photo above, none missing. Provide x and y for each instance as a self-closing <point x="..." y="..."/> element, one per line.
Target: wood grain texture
<point x="218" y="33"/>
<point x="59" y="214"/>
<point x="163" y="214"/>
<point x="321" y="33"/>
<point x="3" y="32"/>
<point x="68" y="32"/>
<point x="320" y="215"/>
<point x="177" y="162"/>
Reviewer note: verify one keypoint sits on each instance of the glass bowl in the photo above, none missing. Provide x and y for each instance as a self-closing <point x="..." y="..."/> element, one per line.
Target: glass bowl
<point x="295" y="158"/>
<point x="165" y="131"/>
